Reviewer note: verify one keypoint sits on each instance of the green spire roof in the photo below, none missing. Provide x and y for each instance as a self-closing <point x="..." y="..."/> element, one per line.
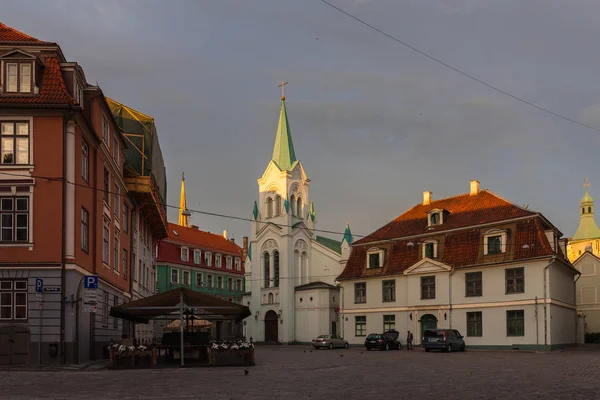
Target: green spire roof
<point x="283" y="151"/>
<point x="311" y="212"/>
<point x="255" y="211"/>
<point x="347" y="234"/>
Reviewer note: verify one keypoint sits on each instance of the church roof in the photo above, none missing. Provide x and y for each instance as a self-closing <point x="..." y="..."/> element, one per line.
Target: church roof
<point x="331" y="244"/>
<point x="314" y="285"/>
<point x="283" y="151"/>
<point x="347" y="234"/>
<point x="587" y="198"/>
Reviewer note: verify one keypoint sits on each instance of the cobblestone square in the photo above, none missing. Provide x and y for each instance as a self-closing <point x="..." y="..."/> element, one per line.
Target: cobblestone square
<point x="299" y="373"/>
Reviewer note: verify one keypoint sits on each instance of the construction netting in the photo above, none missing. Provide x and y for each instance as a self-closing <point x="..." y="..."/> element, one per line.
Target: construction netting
<point x="143" y="156"/>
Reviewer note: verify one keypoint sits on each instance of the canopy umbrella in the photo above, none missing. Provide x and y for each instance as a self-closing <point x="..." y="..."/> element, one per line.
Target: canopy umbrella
<point x="196" y="323"/>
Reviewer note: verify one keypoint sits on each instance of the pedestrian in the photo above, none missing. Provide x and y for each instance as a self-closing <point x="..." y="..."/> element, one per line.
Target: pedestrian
<point x="409" y="340"/>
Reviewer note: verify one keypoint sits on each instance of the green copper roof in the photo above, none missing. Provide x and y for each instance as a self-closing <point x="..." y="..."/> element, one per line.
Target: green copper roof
<point x="347" y="234"/>
<point x="255" y="211"/>
<point x="311" y="212"/>
<point x="330" y="244"/>
<point x="286" y="204"/>
<point x="283" y="151"/>
<point x="250" y="252"/>
<point x="587" y="198"/>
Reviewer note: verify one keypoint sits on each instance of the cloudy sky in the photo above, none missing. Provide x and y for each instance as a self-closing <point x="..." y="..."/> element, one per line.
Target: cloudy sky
<point x="374" y="123"/>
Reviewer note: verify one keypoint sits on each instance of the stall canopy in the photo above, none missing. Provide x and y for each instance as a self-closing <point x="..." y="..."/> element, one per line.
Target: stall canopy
<point x="201" y="305"/>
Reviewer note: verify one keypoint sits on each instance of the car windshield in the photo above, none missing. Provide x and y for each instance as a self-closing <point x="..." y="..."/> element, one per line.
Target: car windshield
<point x="433" y="333"/>
<point x="323" y="337"/>
<point x="373" y="336"/>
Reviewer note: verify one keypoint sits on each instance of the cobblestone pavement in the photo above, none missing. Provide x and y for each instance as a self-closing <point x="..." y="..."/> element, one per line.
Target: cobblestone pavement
<point x="298" y="373"/>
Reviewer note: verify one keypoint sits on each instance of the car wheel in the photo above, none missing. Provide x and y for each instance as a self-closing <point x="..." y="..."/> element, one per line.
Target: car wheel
<point x="346" y="345"/>
<point x="427" y="350"/>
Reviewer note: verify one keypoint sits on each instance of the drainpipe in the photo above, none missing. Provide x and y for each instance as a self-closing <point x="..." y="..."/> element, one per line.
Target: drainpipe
<point x="537" y="328"/>
<point x="546" y="301"/>
<point x="341" y="308"/>
<point x="450" y="297"/>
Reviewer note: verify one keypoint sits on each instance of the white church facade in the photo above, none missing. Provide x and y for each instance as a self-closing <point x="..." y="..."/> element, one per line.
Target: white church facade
<point x="290" y="270"/>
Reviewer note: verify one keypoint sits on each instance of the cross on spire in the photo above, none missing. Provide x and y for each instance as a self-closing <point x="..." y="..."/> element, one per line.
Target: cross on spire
<point x="587" y="183"/>
<point x="282" y="86"/>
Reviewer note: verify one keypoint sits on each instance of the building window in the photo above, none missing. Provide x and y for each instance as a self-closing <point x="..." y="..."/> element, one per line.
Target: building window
<point x="184" y="254"/>
<point x="494" y="242"/>
<point x="209" y="281"/>
<point x="434" y="218"/>
<point x="360" y="292"/>
<point x="219" y="282"/>
<point x="238" y="264"/>
<point x="14" y="219"/>
<point x="85" y="229"/>
<point x="269" y="207"/>
<point x="14" y="143"/>
<point x="115" y="320"/>
<point x="218" y="263"/>
<point x="174" y="275"/>
<point x="276" y="268"/>
<point x="430" y="249"/>
<point x="515" y="280"/>
<point x="277" y="206"/>
<point x="106" y="242"/>
<point x="199" y="281"/>
<point x="125" y="264"/>
<point x="19" y="78"/>
<point x="13" y="300"/>
<point x="427" y="287"/>
<point x="228" y="262"/>
<point x="117" y="200"/>
<point x="474" y="324"/>
<point x="389" y="290"/>
<point x="515" y="323"/>
<point x="186" y="278"/>
<point x="116" y="258"/>
<point x="85" y="161"/>
<point x="267" y="270"/>
<point x="374" y="258"/>
<point x="125" y="217"/>
<point x="389" y="323"/>
<point x="116" y="150"/>
<point x="473" y="284"/>
<point x="238" y="285"/>
<point x="105" y="310"/>
<point x="299" y="207"/>
<point x="133" y="274"/>
<point x="105" y="130"/>
<point x="360" y="326"/>
<point x="106" y="187"/>
<point x="207" y="259"/>
<point x="229" y="283"/>
<point x="196" y="256"/>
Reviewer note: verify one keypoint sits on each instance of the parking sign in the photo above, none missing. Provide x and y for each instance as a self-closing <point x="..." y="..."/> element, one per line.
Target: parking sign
<point x="90" y="282"/>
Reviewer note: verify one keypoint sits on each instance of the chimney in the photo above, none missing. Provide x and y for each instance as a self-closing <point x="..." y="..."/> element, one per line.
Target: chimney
<point x="474" y="188"/>
<point x="232" y="240"/>
<point x="194" y="227"/>
<point x="225" y="233"/>
<point x="244" y="247"/>
<point x="427" y="197"/>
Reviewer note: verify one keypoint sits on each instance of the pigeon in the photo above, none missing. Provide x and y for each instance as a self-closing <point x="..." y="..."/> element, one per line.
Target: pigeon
<point x="246" y="372"/>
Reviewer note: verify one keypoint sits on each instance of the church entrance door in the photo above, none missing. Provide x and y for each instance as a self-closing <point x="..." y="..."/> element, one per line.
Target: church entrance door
<point x="271" y="328"/>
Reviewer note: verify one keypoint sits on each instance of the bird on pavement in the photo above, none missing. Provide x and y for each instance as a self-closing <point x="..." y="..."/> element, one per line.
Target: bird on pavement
<point x="246" y="372"/>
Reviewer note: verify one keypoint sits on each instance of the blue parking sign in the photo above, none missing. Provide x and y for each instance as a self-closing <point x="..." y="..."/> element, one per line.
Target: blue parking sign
<point x="39" y="285"/>
<point x="90" y="282"/>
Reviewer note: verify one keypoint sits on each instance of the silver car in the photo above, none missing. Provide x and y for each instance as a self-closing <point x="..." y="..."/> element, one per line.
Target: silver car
<point x="329" y="341"/>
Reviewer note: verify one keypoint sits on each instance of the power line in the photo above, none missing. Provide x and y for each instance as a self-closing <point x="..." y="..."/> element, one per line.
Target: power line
<point x="374" y="237"/>
<point x="459" y="71"/>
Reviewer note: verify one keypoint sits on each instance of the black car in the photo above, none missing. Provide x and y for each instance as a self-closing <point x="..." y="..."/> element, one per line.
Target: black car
<point x="382" y="341"/>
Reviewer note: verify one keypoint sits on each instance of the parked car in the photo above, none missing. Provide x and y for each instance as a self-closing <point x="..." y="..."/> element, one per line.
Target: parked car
<point x="396" y="336"/>
<point x="329" y="341"/>
<point x="381" y="341"/>
<point x="443" y="339"/>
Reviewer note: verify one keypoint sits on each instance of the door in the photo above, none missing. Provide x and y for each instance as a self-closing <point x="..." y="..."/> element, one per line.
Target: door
<point x="271" y="327"/>
<point x="428" y="321"/>
<point x="333" y="328"/>
<point x="14" y="345"/>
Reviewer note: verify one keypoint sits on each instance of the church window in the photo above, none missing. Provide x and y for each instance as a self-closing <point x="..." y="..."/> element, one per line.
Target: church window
<point x="583" y="210"/>
<point x="276" y="268"/>
<point x="269" y="207"/>
<point x="590" y="210"/>
<point x="267" y="270"/>
<point x="293" y="205"/>
<point x="277" y="206"/>
<point x="299" y="207"/>
<point x="270" y="298"/>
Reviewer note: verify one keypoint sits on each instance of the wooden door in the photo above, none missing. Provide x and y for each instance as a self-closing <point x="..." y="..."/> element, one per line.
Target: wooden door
<point x="271" y="327"/>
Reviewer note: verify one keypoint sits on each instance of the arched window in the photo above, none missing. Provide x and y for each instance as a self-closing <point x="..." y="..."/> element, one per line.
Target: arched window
<point x="270" y="298"/>
<point x="590" y="210"/>
<point x="276" y="268"/>
<point x="293" y="204"/>
<point x="277" y="206"/>
<point x="267" y="269"/>
<point x="269" y="207"/>
<point x="583" y="210"/>
<point x="299" y="207"/>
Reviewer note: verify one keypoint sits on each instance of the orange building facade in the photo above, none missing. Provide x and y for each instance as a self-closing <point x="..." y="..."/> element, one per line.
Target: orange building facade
<point x="66" y="210"/>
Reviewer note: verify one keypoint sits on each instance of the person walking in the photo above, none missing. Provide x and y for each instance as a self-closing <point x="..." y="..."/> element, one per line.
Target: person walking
<point x="409" y="341"/>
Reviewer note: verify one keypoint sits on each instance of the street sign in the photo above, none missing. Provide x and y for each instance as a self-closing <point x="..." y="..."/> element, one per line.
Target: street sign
<point x="55" y="289"/>
<point x="39" y="285"/>
<point x="39" y="299"/>
<point x="90" y="282"/>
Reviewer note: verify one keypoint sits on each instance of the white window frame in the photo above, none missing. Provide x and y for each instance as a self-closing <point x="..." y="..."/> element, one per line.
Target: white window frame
<point x="115" y="150"/>
<point x="177" y="275"/>
<point x="105" y="130"/>
<point x="238" y="264"/>
<point x="106" y="242"/>
<point x="186" y="277"/>
<point x="199" y="279"/>
<point x="210" y="282"/>
<point x="375" y="250"/>
<point x="197" y="256"/>
<point x="12" y="289"/>
<point x="186" y="251"/>
<point x="238" y="285"/>
<point x="219" y="282"/>
<point x="116" y="250"/>
<point x="440" y="213"/>
<point x="218" y="261"/>
<point x="435" y="248"/>
<point x="85" y="160"/>
<point x="229" y="262"/>
<point x="495" y="232"/>
<point x="208" y="258"/>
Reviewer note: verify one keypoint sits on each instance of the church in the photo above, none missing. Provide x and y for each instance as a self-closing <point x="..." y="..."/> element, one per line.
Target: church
<point x="290" y="270"/>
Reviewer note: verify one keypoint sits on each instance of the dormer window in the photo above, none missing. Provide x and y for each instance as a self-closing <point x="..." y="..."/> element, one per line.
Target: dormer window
<point x="435" y="217"/>
<point x="374" y="258"/>
<point x="19" y="77"/>
<point x="494" y="242"/>
<point x="184" y="254"/>
<point x="430" y="249"/>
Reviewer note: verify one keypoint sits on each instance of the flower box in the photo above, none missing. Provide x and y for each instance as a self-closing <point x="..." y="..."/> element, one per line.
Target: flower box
<point x="231" y="354"/>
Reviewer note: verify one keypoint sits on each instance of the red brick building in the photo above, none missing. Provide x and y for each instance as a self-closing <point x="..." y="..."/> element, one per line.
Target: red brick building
<point x="65" y="207"/>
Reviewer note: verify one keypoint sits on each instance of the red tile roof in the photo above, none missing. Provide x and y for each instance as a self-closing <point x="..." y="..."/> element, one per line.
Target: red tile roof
<point x="8" y="34"/>
<point x="202" y="240"/>
<point x="458" y="248"/>
<point x="52" y="89"/>
<point x="465" y="210"/>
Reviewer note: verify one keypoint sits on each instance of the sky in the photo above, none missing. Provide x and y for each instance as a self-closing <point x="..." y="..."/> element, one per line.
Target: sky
<point x="374" y="123"/>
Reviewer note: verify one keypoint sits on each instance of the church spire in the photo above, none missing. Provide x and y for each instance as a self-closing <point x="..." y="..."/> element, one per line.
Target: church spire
<point x="283" y="151"/>
<point x="347" y="234"/>
<point x="183" y="211"/>
<point x="587" y="228"/>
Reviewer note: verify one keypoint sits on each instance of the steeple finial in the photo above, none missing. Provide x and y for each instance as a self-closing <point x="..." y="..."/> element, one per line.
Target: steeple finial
<point x="183" y="211"/>
<point x="587" y="183"/>
<point x="283" y="150"/>
<point x="282" y="86"/>
<point x="311" y="212"/>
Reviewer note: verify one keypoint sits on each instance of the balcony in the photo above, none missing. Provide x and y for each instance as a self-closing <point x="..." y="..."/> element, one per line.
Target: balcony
<point x="145" y="193"/>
